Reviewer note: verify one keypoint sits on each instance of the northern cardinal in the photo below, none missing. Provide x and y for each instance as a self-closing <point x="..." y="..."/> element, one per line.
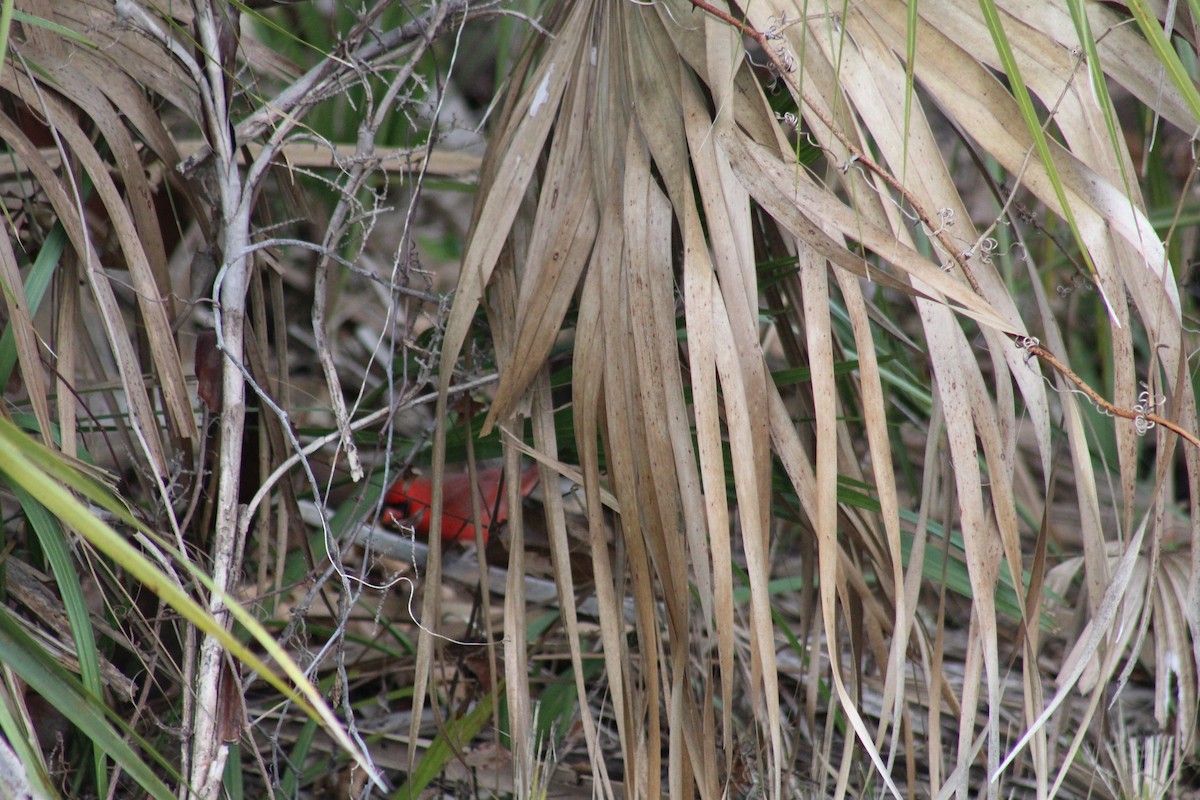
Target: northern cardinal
<point x="410" y="500"/>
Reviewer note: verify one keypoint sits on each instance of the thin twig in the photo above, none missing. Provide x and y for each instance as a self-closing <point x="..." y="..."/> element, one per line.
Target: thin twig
<point x="311" y="87"/>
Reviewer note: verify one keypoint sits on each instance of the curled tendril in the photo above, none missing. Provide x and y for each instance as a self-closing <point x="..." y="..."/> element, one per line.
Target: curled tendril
<point x="1027" y="343"/>
<point x="1146" y="405"/>
<point x="808" y="137"/>
<point x="1078" y="283"/>
<point x="1141" y="425"/>
<point x="1151" y="401"/>
<point x="987" y="247"/>
<point x="790" y="119"/>
<point x="777" y="24"/>
<point x="945" y="220"/>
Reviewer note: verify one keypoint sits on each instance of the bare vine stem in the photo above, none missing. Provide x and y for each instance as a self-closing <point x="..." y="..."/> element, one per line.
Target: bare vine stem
<point x="1033" y="348"/>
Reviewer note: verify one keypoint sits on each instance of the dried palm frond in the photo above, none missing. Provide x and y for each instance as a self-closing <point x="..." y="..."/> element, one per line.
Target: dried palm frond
<point x="640" y="164"/>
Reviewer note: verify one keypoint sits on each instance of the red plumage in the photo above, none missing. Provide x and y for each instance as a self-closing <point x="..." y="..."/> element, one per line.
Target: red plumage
<point x="410" y="501"/>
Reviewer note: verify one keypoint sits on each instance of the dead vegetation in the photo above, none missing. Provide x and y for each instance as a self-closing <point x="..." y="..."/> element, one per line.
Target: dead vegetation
<point x="851" y="351"/>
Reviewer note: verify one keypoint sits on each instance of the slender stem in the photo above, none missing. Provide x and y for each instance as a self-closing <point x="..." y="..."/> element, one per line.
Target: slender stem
<point x="1149" y="416"/>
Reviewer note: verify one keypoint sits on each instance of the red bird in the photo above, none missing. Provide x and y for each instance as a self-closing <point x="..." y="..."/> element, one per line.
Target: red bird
<point x="409" y="502"/>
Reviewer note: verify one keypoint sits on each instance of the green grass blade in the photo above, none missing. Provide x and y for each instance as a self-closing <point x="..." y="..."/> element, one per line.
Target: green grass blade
<point x="991" y="16"/>
<point x="1165" y="52"/>
<point x="25" y="463"/>
<point x="27" y="659"/>
<point x="54" y="545"/>
<point x="453" y="737"/>
<point x="18" y="738"/>
<point x="1099" y="85"/>
<point x="36" y="282"/>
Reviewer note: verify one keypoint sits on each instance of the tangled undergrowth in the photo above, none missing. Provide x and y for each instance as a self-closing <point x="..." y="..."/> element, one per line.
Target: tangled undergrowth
<point x="599" y="398"/>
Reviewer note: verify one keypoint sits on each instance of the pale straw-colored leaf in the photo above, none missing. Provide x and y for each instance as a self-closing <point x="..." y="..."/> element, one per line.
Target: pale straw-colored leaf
<point x="120" y="40"/>
<point x="68" y="210"/>
<point x="699" y="162"/>
<point x="700" y="293"/>
<point x="24" y="337"/>
<point x="1138" y="267"/>
<point x="875" y="421"/>
<point x="814" y="278"/>
<point x="137" y="229"/>
<point x="593" y="361"/>
<point x="1096" y="632"/>
<point x="649" y="474"/>
<point x="726" y="210"/>
<point x="533" y="116"/>
<point x="563" y="233"/>
<point x="878" y="93"/>
<point x="778" y="188"/>
<point x="880" y="106"/>
<point x="546" y="439"/>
